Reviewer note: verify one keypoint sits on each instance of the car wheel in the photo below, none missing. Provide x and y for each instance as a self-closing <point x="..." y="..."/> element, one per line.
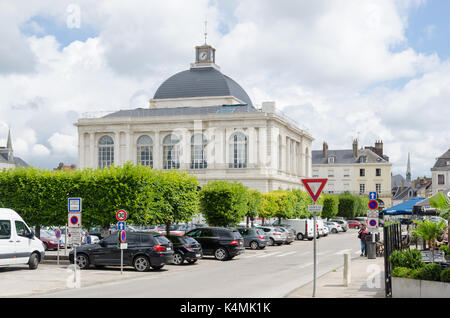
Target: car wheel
<point x="82" y="261"/>
<point x="254" y="245"/>
<point x="45" y="246"/>
<point x="192" y="261"/>
<point x="279" y="244"/>
<point x="300" y="237"/>
<point x="178" y="259"/>
<point x="33" y="263"/>
<point x="271" y="242"/>
<point x="141" y="263"/>
<point x="221" y="254"/>
<point x="334" y="231"/>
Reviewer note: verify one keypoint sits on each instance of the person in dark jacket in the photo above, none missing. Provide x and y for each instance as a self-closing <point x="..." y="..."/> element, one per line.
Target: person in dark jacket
<point x="362" y="236"/>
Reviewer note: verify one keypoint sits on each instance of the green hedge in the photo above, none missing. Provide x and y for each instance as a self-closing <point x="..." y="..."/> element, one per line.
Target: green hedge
<point x="223" y="203"/>
<point x="409" y="259"/>
<point x="150" y="196"/>
<point x="445" y="275"/>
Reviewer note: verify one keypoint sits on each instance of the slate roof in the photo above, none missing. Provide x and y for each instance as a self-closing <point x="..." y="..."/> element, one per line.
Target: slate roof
<point x="181" y="111"/>
<point x="201" y="82"/>
<point x="345" y="156"/>
<point x="17" y="161"/>
<point x="441" y="162"/>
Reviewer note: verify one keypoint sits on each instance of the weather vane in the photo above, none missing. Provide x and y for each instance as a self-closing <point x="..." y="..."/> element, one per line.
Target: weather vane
<point x="206" y="29"/>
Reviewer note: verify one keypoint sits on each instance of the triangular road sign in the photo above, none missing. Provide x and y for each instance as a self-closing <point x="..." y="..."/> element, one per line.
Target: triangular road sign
<point x="314" y="187"/>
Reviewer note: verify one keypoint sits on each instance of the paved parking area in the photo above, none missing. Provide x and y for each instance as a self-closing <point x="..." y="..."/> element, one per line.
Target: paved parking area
<point x="272" y="272"/>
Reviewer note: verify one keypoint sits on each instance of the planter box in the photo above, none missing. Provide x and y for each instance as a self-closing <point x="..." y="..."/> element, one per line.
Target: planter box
<point x="414" y="288"/>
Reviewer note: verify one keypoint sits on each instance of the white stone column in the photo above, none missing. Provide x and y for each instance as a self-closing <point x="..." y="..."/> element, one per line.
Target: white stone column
<point x="228" y="133"/>
<point x="157" y="151"/>
<point x="81" y="150"/>
<point x="252" y="147"/>
<point x="219" y="148"/>
<point x="263" y="158"/>
<point x="117" y="160"/>
<point x="92" y="151"/>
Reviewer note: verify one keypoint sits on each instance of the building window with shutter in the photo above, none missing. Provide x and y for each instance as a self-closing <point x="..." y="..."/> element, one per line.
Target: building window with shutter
<point x="441" y="179"/>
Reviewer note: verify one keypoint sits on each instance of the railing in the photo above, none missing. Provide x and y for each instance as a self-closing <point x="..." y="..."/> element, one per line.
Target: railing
<point x="392" y="242"/>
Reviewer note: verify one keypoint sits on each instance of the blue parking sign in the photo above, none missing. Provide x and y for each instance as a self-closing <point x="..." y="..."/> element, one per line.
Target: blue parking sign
<point x="372" y="195"/>
<point x="121" y="226"/>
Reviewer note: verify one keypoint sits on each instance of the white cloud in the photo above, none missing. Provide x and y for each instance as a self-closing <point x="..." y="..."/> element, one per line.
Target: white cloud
<point x="327" y="63"/>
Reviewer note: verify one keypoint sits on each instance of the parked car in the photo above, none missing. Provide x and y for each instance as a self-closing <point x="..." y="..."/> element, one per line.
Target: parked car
<point x="290" y="237"/>
<point x="303" y="227"/>
<point x="362" y="220"/>
<point x="144" y="251"/>
<point x="333" y="227"/>
<point x="224" y="244"/>
<point x="286" y="226"/>
<point x="185" y="248"/>
<point x="354" y="224"/>
<point x="325" y="230"/>
<point x="342" y="223"/>
<point x="49" y="240"/>
<point x="276" y="236"/>
<point x="254" y="238"/>
<point x="18" y="244"/>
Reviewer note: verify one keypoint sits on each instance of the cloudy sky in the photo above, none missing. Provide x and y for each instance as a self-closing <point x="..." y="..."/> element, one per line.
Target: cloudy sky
<point x="373" y="69"/>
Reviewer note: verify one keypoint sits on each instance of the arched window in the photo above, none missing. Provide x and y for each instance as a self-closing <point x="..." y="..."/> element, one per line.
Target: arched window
<point x="145" y="151"/>
<point x="105" y="152"/>
<point x="171" y="150"/>
<point x="198" y="152"/>
<point x="238" y="150"/>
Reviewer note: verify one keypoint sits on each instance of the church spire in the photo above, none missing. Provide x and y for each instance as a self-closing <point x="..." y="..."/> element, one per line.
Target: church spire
<point x="9" y="147"/>
<point x="408" y="169"/>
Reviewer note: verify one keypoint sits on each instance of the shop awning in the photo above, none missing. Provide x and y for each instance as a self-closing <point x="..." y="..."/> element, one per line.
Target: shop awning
<point x="405" y="208"/>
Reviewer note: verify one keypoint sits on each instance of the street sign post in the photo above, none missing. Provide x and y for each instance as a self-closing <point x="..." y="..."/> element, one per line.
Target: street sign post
<point x="121" y="226"/>
<point x="314" y="188"/>
<point x="58" y="236"/>
<point x="121" y="215"/>
<point x="372" y="220"/>
<point x="373" y="204"/>
<point x="373" y="196"/>
<point x="122" y="245"/>
<point x="74" y="222"/>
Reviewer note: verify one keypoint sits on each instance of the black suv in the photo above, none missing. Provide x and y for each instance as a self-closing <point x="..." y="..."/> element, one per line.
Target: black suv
<point x="144" y="251"/>
<point x="222" y="243"/>
<point x="185" y="248"/>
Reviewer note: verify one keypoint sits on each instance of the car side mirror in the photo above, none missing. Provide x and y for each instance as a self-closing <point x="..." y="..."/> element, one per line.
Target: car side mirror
<point x="31" y="234"/>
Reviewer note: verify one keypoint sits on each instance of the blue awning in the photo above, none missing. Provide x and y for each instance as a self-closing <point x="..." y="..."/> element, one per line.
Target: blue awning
<point x="403" y="208"/>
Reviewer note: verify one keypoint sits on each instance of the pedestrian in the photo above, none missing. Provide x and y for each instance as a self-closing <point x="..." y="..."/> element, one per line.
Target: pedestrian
<point x="88" y="237"/>
<point x="362" y="234"/>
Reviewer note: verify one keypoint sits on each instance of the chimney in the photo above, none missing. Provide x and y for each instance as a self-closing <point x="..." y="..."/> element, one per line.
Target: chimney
<point x="355" y="148"/>
<point x="324" y="149"/>
<point x="268" y="107"/>
<point x="379" y="148"/>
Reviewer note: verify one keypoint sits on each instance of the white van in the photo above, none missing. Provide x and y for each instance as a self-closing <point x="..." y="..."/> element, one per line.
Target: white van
<point x="303" y="227"/>
<point x="18" y="244"/>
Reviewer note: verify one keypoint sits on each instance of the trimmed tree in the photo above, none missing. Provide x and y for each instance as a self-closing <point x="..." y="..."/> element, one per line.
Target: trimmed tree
<point x="348" y="206"/>
<point x="269" y="208"/>
<point x="223" y="203"/>
<point x="255" y="204"/>
<point x="330" y="206"/>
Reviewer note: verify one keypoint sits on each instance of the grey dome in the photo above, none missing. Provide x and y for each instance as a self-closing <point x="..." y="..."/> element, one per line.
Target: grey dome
<point x="201" y="82"/>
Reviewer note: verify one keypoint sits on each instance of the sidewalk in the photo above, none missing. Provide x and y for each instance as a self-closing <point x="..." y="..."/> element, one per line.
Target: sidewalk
<point x="367" y="281"/>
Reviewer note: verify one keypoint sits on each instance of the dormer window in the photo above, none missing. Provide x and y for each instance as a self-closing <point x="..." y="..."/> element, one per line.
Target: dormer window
<point x="331" y="159"/>
<point x="363" y="159"/>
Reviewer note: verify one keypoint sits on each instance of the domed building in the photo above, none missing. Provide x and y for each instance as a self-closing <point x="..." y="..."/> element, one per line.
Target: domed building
<point x="202" y="121"/>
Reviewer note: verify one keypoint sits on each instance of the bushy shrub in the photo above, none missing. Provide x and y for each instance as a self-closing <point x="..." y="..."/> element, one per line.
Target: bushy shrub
<point x="430" y="271"/>
<point x="445" y="248"/>
<point x="409" y="259"/>
<point x="401" y="272"/>
<point x="445" y="275"/>
<point x="414" y="273"/>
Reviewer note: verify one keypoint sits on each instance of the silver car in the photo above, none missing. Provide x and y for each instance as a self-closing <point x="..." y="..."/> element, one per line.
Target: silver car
<point x="342" y="223"/>
<point x="290" y="236"/>
<point x="275" y="234"/>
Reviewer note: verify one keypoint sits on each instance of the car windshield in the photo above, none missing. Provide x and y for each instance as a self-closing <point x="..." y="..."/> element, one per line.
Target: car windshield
<point x="162" y="240"/>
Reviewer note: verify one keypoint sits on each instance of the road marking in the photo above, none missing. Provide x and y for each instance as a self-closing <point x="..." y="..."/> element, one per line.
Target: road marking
<point x="305" y="265"/>
<point x="306" y="253"/>
<point x="286" y="254"/>
<point x="270" y="254"/>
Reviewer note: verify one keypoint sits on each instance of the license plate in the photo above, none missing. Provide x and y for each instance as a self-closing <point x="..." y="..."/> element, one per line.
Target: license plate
<point x="169" y="249"/>
<point x="198" y="255"/>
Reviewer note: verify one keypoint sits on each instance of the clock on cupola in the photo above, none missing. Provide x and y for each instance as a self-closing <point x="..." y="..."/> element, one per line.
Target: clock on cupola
<point x="205" y="54"/>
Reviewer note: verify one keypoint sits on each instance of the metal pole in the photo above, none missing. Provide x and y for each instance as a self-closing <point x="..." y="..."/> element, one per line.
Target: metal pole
<point x="65" y="244"/>
<point x="121" y="260"/>
<point x="58" y="254"/>
<point x="315" y="253"/>
<point x="75" y="263"/>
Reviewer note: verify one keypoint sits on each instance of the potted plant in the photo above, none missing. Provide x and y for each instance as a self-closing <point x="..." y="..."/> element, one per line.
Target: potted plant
<point x="430" y="231"/>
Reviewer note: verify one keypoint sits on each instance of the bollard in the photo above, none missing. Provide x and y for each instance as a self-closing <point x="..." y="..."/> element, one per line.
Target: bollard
<point x="347" y="269"/>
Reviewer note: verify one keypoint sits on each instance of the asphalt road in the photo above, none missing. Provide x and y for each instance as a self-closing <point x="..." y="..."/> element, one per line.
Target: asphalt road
<point x="272" y="272"/>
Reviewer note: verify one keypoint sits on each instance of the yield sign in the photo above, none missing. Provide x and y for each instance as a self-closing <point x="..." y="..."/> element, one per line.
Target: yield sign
<point x="314" y="187"/>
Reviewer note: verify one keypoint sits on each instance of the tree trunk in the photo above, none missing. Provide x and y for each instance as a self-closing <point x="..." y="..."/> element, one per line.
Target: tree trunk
<point x="38" y="231"/>
<point x="263" y="219"/>
<point x="168" y="228"/>
<point x="432" y="250"/>
<point x="248" y="219"/>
